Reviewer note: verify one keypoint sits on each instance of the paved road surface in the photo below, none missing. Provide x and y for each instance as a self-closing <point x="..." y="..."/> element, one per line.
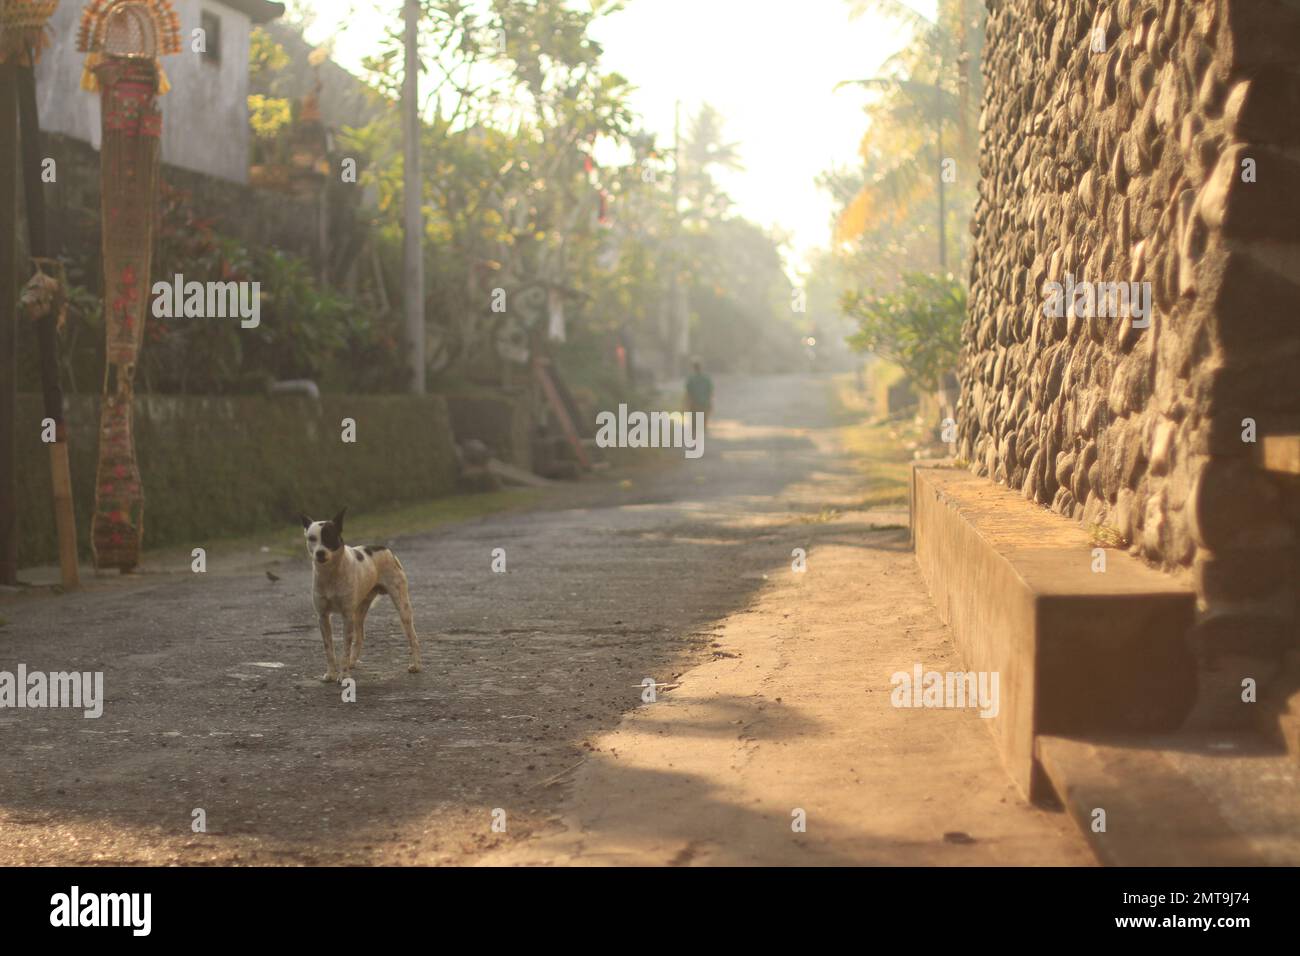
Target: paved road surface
<point x="529" y="711"/>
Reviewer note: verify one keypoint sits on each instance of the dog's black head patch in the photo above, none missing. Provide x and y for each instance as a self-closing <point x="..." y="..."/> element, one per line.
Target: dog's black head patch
<point x="331" y="535"/>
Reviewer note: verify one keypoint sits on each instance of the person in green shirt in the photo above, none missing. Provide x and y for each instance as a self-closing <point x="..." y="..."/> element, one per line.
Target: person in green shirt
<point x="699" y="392"/>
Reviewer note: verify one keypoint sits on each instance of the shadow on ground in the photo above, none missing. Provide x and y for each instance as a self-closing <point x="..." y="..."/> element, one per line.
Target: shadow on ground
<point x="212" y="703"/>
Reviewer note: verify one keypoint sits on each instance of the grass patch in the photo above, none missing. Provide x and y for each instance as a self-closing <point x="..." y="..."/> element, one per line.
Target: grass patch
<point x="879" y="450"/>
<point x="382" y="523"/>
<point x="427" y="515"/>
<point x="1106" y="537"/>
<point x="825" y="516"/>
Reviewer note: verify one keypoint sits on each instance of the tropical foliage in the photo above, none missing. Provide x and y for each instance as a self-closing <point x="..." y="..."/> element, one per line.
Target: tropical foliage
<point x="538" y="181"/>
<point x="919" y="148"/>
<point x="917" y="327"/>
<point x="537" y="175"/>
<point x="900" y="231"/>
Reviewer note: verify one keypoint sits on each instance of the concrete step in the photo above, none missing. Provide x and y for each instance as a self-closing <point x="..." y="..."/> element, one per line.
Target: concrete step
<point x="1081" y="647"/>
<point x="1180" y="799"/>
<point x="1279" y="454"/>
<point x="1282" y="722"/>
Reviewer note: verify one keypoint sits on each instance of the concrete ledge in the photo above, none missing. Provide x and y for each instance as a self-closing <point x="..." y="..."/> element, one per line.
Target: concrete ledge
<point x="1280" y="454"/>
<point x="1184" y="800"/>
<point x="1078" y="652"/>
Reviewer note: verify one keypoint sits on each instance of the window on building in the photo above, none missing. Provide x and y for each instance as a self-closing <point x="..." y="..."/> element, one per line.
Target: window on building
<point x="211" y="24"/>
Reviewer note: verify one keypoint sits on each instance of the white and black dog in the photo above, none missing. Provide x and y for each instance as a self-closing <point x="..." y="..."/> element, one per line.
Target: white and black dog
<point x="345" y="581"/>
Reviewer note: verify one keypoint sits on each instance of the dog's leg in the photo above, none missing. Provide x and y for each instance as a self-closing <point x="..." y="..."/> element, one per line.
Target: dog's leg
<point x="362" y="611"/>
<point x="359" y="637"/>
<point x="327" y="635"/>
<point x="402" y="601"/>
<point x="349" y="642"/>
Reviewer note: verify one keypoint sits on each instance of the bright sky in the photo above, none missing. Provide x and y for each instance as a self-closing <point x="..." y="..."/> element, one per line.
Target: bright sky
<point x="768" y="66"/>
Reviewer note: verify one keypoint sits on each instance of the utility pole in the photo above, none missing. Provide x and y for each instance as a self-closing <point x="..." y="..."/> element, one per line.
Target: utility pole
<point x="938" y="105"/>
<point x="47" y="324"/>
<point x="412" y="199"/>
<point x="8" y="319"/>
<point x="679" y="331"/>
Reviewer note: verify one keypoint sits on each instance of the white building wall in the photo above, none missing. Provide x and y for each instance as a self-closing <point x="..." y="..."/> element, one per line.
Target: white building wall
<point x="205" y="116"/>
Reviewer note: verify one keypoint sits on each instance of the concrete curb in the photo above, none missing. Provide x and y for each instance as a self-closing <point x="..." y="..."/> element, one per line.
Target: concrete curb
<point x="1078" y="650"/>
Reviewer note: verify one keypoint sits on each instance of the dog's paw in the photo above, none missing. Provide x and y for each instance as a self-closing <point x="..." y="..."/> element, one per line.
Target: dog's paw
<point x="413" y="669"/>
<point x="330" y="678"/>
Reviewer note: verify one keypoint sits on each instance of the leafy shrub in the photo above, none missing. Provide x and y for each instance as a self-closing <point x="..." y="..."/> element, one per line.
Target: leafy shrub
<point x="918" y="327"/>
<point x="306" y="330"/>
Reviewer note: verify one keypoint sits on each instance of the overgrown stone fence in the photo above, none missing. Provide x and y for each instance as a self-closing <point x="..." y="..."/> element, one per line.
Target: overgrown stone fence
<point x="221" y="466"/>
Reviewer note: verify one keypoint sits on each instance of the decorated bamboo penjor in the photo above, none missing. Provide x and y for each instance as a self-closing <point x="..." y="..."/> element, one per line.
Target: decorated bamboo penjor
<point x="22" y="29"/>
<point x="123" y="40"/>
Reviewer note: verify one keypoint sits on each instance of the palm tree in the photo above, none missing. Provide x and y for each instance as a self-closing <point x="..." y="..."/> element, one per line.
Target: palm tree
<point x="926" y="88"/>
<point x="703" y="150"/>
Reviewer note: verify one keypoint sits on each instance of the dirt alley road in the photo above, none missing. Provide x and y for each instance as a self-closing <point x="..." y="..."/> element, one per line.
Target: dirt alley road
<point x="777" y="691"/>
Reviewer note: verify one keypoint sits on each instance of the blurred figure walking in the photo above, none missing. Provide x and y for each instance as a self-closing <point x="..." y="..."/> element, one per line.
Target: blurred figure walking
<point x="699" y="392"/>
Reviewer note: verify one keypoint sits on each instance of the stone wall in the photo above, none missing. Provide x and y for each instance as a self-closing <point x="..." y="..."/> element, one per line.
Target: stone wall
<point x="217" y="467"/>
<point x="258" y="218"/>
<point x="502" y="421"/>
<point x="1119" y="141"/>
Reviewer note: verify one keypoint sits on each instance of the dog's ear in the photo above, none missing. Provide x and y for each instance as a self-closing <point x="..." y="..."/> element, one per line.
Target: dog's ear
<point x="338" y="520"/>
<point x="306" y="522"/>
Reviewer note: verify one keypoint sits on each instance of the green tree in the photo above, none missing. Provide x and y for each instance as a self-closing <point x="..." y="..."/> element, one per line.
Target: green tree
<point x="917" y="327"/>
<point x="920" y="128"/>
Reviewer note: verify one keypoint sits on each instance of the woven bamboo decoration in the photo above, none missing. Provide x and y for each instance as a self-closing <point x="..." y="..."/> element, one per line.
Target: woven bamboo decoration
<point x="22" y="28"/>
<point x="124" y="39"/>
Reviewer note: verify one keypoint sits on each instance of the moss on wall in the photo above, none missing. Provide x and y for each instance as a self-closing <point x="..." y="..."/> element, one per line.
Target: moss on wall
<point x="215" y="467"/>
